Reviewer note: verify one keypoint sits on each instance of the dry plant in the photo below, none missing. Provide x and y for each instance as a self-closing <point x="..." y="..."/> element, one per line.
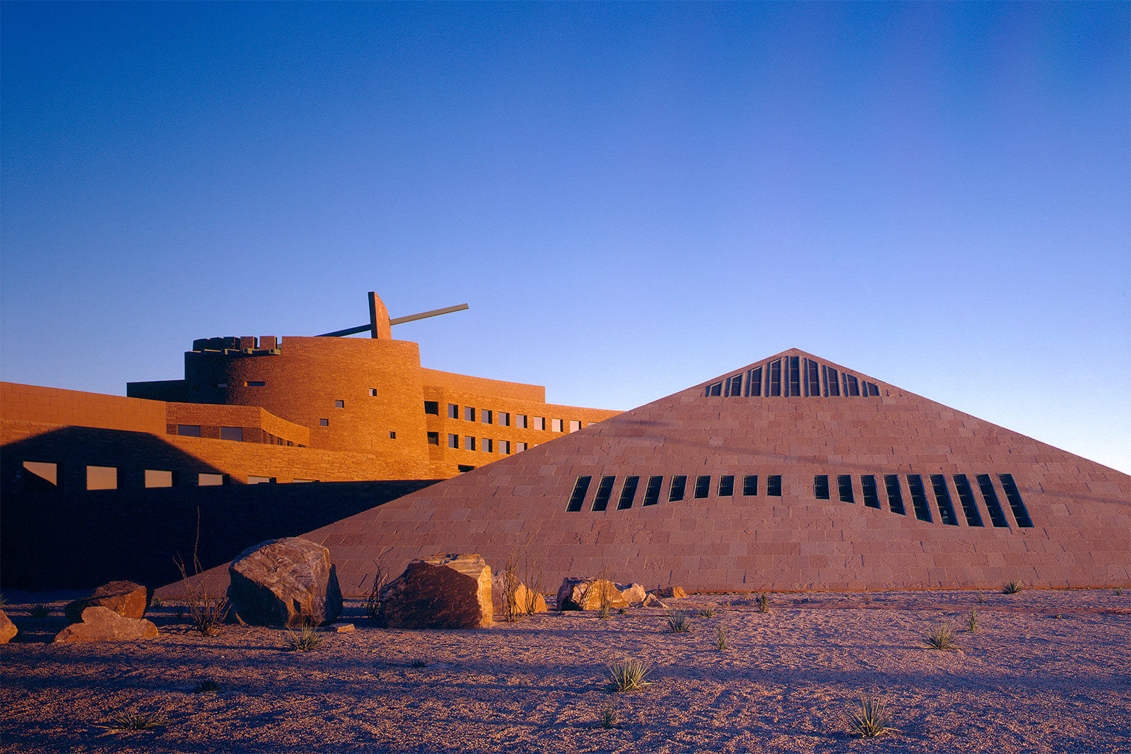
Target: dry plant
<point x="373" y="599"/>
<point x="1118" y="593"/>
<point x="721" y="638"/>
<point x="764" y="603"/>
<point x="628" y="674"/>
<point x="981" y="599"/>
<point x="972" y="620"/>
<point x="870" y="719"/>
<point x="512" y="610"/>
<point x="132" y="720"/>
<point x="305" y="640"/>
<point x="156" y="602"/>
<point x="39" y="610"/>
<point x="207" y="612"/>
<point x="707" y="611"/>
<point x="532" y="573"/>
<point x="940" y="637"/>
<point x="1011" y="587"/>
<point x="679" y="622"/>
<point x="608" y="716"/>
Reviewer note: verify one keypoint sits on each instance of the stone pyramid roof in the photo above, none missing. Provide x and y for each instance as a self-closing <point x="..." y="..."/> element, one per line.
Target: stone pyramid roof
<point x="789" y="473"/>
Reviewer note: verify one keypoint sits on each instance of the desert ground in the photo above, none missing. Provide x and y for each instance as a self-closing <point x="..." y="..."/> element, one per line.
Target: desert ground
<point x="1045" y="671"/>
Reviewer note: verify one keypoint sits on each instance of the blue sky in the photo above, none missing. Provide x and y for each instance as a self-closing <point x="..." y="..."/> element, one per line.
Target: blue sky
<point x="632" y="198"/>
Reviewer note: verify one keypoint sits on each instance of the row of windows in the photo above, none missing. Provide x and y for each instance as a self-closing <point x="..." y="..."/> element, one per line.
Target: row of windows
<point x="484" y="444"/>
<point x="234" y="434"/>
<point x="941" y="490"/>
<point x="793" y="376"/>
<point x="502" y="418"/>
<point x="110" y="477"/>
<point x="677" y="489"/>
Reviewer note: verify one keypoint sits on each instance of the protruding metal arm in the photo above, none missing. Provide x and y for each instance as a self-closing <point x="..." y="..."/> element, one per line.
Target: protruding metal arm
<point x="347" y="331"/>
<point x="426" y="315"/>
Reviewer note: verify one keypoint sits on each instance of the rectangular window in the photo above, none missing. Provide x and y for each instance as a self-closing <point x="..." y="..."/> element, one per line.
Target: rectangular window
<point x="726" y="486"/>
<point x="488" y="445"/>
<point x="488" y="415"/>
<point x="154" y="478"/>
<point x="678" y="488"/>
<point x="261" y="480"/>
<point x="574" y="425"/>
<point x="469" y="413"/>
<point x="1016" y="504"/>
<point x="101" y="478"/>
<point x="794" y="375"/>
<point x="773" y="485"/>
<point x="942" y="500"/>
<point x="734" y="386"/>
<point x="432" y="407"/>
<point x="628" y="493"/>
<point x="966" y="500"/>
<point x="210" y="480"/>
<point x="463" y="468"/>
<point x="580" y="487"/>
<point x="504" y="419"/>
<point x="255" y="383"/>
<point x="231" y="433"/>
<point x="373" y="394"/>
<point x="48" y="472"/>
<point x="813" y="378"/>
<point x="774" y="388"/>
<point x="750" y="485"/>
<point x="539" y="423"/>
<point x="556" y="425"/>
<point x="519" y="447"/>
<point x="323" y="422"/>
<point x="919" y="497"/>
<point x="304" y="481"/>
<point x="702" y="486"/>
<point x="468" y="443"/>
<point x="989" y="496"/>
<point x="604" y="492"/>
<point x="851" y="386"/>
<point x="871" y="389"/>
<point x="844" y="488"/>
<point x="339" y="404"/>
<point x="754" y="382"/>
<point x="453" y="441"/>
<point x="188" y="430"/>
<point x="715" y="390"/>
<point x="453" y="411"/>
<point x="652" y="492"/>
<point x="434" y="438"/>
<point x="832" y="382"/>
<point x="821" y="486"/>
<point x="505" y="447"/>
<point x="895" y="494"/>
<point x="868" y="487"/>
<point x="520" y="421"/>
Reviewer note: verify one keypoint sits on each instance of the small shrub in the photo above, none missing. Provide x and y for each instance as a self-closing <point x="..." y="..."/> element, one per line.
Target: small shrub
<point x="512" y="610"/>
<point x="870" y="720"/>
<point x="1118" y="593"/>
<point x="608" y="716"/>
<point x="1011" y="587"/>
<point x="125" y="721"/>
<point x="679" y="622"/>
<point x="972" y="620"/>
<point x="622" y="611"/>
<point x="3" y="601"/>
<point x="207" y="612"/>
<point x="418" y="664"/>
<point x="940" y="637"/>
<point x="707" y="612"/>
<point x="373" y="599"/>
<point x="305" y="640"/>
<point x="628" y="674"/>
<point x="763" y="603"/>
<point x="156" y="602"/>
<point x="721" y="638"/>
<point x="39" y="610"/>
<point x="206" y="686"/>
<point x="604" y="611"/>
<point x="980" y="599"/>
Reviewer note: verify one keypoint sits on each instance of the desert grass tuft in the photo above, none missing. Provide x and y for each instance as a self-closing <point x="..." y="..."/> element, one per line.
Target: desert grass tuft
<point x="980" y="599"/>
<point x="156" y="602"/>
<point x="305" y="640"/>
<point x="628" y="674"/>
<point x="131" y="720"/>
<point x="679" y="622"/>
<point x="1011" y="587"/>
<point x="608" y="716"/>
<point x="721" y="638"/>
<point x="972" y="620"/>
<point x="707" y="612"/>
<point x="39" y="610"/>
<point x="763" y="603"/>
<point x="1118" y="593"/>
<point x="940" y="637"/>
<point x="418" y="663"/>
<point x="604" y="611"/>
<point x="206" y="686"/>
<point x="870" y="719"/>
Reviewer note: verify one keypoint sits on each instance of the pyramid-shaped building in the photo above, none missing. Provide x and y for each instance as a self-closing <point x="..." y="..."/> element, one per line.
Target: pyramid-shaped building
<point x="790" y="473"/>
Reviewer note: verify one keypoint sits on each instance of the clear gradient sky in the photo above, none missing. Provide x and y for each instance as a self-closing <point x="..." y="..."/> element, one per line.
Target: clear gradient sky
<point x="633" y="198"/>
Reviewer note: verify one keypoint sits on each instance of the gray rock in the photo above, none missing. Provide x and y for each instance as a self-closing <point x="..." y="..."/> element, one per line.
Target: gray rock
<point x="284" y="582"/>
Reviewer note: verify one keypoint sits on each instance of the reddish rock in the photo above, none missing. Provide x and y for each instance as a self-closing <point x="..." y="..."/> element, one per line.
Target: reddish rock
<point x="446" y="591"/>
<point x="126" y="598"/>
<point x="103" y="624"/>
<point x="284" y="582"/>
<point x="8" y="629"/>
<point x="671" y="593"/>
<point x="527" y="599"/>
<point x="577" y="593"/>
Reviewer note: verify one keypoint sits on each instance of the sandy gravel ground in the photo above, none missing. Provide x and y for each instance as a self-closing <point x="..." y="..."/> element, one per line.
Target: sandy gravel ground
<point x="1044" y="672"/>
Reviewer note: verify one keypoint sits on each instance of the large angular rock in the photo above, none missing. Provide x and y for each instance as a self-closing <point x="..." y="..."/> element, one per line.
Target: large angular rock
<point x="445" y="591"/>
<point x="634" y="593"/>
<point x="126" y="598"/>
<point x="103" y="624"/>
<point x="671" y="593"/>
<point x="284" y="582"/>
<point x="578" y="593"/>
<point x="8" y="629"/>
<point x="528" y="600"/>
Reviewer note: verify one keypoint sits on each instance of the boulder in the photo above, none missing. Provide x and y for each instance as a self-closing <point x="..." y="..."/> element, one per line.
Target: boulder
<point x="653" y="601"/>
<point x="284" y="582"/>
<point x="8" y="629"/>
<point x="528" y="600"/>
<point x="670" y="593"/>
<point x="103" y="624"/>
<point x="126" y="598"/>
<point x="578" y="593"/>
<point x="445" y="591"/>
<point x="634" y="593"/>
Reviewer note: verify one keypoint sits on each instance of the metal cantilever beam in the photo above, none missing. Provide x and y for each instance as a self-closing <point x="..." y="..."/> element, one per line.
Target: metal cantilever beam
<point x="396" y="321"/>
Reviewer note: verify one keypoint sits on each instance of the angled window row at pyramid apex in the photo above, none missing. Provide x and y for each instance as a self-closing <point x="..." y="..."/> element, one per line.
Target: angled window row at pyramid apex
<point x="725" y="487"/>
<point x="791" y="375"/>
